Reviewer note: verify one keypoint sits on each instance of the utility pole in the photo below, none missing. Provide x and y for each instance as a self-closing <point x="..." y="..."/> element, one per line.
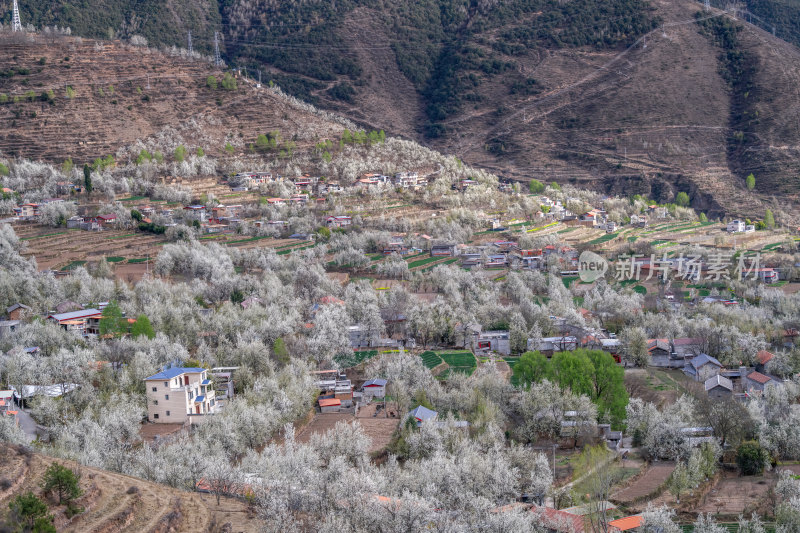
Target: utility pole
<point x="16" y="24"/>
<point x="217" y="58"/>
<point x="259" y="77"/>
<point x="148" y="82"/>
<point x="191" y="50"/>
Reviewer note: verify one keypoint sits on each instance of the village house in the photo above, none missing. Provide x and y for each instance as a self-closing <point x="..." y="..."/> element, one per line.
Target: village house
<point x="736" y="226"/>
<point x="756" y="382"/>
<point x="374" y="388"/>
<point x="27" y="211"/>
<point x="422" y="414"/>
<point x="7" y="327"/>
<point x="444" y="250"/>
<point x="660" y="351"/>
<point x="687" y="347"/>
<point x="18" y="311"/>
<point x="106" y="221"/>
<point x="718" y="387"/>
<point x="495" y="341"/>
<point x="702" y="367"/>
<point x="83" y="322"/>
<point x="549" y="345"/>
<point x="339" y="221"/>
<point x="762" y="358"/>
<point x="180" y="395"/>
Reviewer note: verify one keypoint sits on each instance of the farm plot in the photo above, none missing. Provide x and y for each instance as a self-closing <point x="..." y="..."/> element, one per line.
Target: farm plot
<point x="354" y="359"/>
<point x="731" y="496"/>
<point x="461" y="362"/>
<point x="647" y="485"/>
<point x="378" y="428"/>
<point x="430" y="359"/>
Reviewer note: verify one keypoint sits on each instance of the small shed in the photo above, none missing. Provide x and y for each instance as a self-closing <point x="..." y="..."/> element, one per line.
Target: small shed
<point x="329" y="405"/>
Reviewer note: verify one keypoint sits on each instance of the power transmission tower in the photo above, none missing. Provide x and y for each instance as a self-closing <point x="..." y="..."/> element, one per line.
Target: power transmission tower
<point x="217" y="58"/>
<point x="706" y="4"/>
<point x="191" y="51"/>
<point x="16" y="24"/>
<point x="259" y="78"/>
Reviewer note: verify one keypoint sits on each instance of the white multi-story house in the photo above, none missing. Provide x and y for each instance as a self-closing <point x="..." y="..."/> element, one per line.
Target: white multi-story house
<point x="179" y="395"/>
<point x="736" y="226"/>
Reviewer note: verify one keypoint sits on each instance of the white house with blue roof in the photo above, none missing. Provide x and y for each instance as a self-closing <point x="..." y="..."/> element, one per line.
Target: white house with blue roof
<point x="180" y="395"/>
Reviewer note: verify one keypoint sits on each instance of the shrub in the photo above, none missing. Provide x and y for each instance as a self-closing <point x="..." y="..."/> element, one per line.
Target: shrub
<point x="228" y="82"/>
<point x="180" y="153"/>
<point x="751" y="458"/>
<point x="211" y="82"/>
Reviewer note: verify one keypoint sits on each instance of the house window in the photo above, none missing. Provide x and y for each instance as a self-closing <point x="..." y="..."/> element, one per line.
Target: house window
<point x="155" y="416"/>
<point x="155" y="389"/>
<point x="166" y="396"/>
<point x="167" y="413"/>
<point x="155" y="402"/>
<point x="166" y="383"/>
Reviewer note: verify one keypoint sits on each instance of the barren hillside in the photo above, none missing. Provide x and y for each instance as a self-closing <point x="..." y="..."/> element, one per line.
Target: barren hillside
<point x="118" y="503"/>
<point x="120" y="93"/>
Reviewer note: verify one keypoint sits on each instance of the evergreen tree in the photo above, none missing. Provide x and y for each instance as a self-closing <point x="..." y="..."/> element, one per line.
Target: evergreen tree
<point x="769" y="219"/>
<point x="87" y="178"/>
<point x="61" y="481"/>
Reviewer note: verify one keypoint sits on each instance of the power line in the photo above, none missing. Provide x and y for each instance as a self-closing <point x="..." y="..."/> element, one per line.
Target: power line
<point x="16" y="24"/>
<point x="217" y="58"/>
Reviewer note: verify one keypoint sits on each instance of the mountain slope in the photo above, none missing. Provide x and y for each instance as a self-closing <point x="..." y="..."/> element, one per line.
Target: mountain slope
<point x="625" y="96"/>
<point x="119" y="94"/>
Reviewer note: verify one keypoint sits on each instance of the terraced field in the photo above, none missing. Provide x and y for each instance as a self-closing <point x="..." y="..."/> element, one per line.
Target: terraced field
<point x="123" y="504"/>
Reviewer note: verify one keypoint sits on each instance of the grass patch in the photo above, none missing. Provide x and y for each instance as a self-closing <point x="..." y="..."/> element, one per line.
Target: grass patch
<point x="132" y="199"/>
<point x="640" y="289"/>
<point x="115" y="259"/>
<point x="121" y="236"/>
<point x="139" y="260"/>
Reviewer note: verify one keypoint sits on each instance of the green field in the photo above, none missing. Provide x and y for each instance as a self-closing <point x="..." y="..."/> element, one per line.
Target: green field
<point x="74" y="265"/>
<point x="425" y="261"/>
<point x="43" y="236"/>
<point x="430" y="359"/>
<point x="139" y="260"/>
<point x="461" y="362"/>
<point x="567" y="280"/>
<point x="605" y="238"/>
<point x="115" y="259"/>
